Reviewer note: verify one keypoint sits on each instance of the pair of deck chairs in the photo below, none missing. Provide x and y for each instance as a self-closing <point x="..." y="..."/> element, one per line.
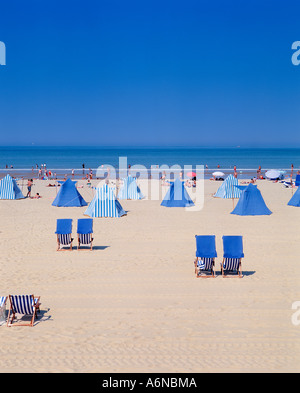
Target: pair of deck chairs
<point x="25" y="305"/>
<point x="206" y="254"/>
<point x="64" y="233"/>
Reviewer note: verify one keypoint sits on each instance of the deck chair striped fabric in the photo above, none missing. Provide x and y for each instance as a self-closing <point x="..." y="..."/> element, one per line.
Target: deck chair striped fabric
<point x="64" y="233"/>
<point x="205" y="255"/>
<point x="24" y="305"/>
<point x="232" y="256"/>
<point x="3" y="300"/>
<point x="85" y="232"/>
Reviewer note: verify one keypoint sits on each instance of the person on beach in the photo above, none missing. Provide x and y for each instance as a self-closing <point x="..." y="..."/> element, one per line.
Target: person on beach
<point x="72" y="173"/>
<point x="37" y="196"/>
<point x="235" y="172"/>
<point x="258" y="172"/>
<point x="163" y="178"/>
<point x="29" y="185"/>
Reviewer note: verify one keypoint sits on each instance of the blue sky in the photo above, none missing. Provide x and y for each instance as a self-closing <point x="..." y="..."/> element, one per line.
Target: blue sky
<point x="138" y="73"/>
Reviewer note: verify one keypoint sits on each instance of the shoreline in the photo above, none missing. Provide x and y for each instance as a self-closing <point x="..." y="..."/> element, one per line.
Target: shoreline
<point x="79" y="174"/>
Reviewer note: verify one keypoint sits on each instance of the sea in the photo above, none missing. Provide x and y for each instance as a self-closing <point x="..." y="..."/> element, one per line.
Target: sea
<point x="25" y="161"/>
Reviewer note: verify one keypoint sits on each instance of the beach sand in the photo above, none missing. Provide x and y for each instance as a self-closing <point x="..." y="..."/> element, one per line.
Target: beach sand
<point x="134" y="304"/>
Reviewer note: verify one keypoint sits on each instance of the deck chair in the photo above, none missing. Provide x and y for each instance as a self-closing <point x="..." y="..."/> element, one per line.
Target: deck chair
<point x="3" y="300"/>
<point x="64" y="233"/>
<point x="84" y="232"/>
<point x="23" y="305"/>
<point x="205" y="255"/>
<point x="232" y="256"/>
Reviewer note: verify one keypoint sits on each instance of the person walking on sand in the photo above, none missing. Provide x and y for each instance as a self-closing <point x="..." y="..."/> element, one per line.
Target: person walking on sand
<point x="29" y="185"/>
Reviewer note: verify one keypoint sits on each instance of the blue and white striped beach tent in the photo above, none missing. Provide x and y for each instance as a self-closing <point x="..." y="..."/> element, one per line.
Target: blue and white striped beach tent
<point x="228" y="189"/>
<point x="104" y="204"/>
<point x="129" y="189"/>
<point x="9" y="189"/>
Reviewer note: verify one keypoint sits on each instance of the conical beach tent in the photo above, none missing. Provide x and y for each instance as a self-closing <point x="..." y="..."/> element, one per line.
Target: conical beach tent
<point x="104" y="204"/>
<point x="228" y="189"/>
<point x="130" y="190"/>
<point x="9" y="189"/>
<point x="251" y="203"/>
<point x="295" y="200"/>
<point x="177" y="196"/>
<point x="68" y="196"/>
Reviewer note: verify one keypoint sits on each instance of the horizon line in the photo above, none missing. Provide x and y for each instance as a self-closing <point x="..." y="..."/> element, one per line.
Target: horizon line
<point x="150" y="147"/>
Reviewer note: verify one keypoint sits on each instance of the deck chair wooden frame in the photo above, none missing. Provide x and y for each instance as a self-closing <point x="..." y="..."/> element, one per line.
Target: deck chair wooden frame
<point x="65" y="245"/>
<point x="80" y="243"/>
<point x="35" y="306"/>
<point x="203" y="273"/>
<point x="238" y="274"/>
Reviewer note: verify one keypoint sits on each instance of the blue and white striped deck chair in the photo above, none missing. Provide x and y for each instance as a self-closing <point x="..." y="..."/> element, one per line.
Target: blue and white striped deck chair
<point x="64" y="233"/>
<point x="3" y="300"/>
<point x="85" y="232"/>
<point x="23" y="305"/>
<point x="232" y="255"/>
<point x="205" y="255"/>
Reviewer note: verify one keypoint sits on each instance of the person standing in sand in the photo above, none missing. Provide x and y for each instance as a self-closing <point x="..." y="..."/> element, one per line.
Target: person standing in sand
<point x="29" y="185"/>
<point x="235" y="172"/>
<point x="258" y="173"/>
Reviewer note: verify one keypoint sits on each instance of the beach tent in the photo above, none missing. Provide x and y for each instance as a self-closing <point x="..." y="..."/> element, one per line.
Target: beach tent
<point x="130" y="190"/>
<point x="9" y="189"/>
<point x="228" y="188"/>
<point x="177" y="196"/>
<point x="104" y="204"/>
<point x="68" y="196"/>
<point x="251" y="203"/>
<point x="295" y="200"/>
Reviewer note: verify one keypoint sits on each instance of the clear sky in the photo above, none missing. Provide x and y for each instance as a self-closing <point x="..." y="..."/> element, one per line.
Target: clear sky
<point x="148" y="72"/>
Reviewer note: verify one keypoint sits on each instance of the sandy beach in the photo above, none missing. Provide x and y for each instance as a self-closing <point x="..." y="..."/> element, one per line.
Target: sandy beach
<point x="134" y="304"/>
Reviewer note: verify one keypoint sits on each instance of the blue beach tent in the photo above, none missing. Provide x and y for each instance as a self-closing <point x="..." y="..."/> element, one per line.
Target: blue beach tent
<point x="9" y="189"/>
<point x="295" y="200"/>
<point x="104" y="204"/>
<point x="177" y="196"/>
<point x="228" y="188"/>
<point x="251" y="203"/>
<point x="68" y="196"/>
<point x="130" y="190"/>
